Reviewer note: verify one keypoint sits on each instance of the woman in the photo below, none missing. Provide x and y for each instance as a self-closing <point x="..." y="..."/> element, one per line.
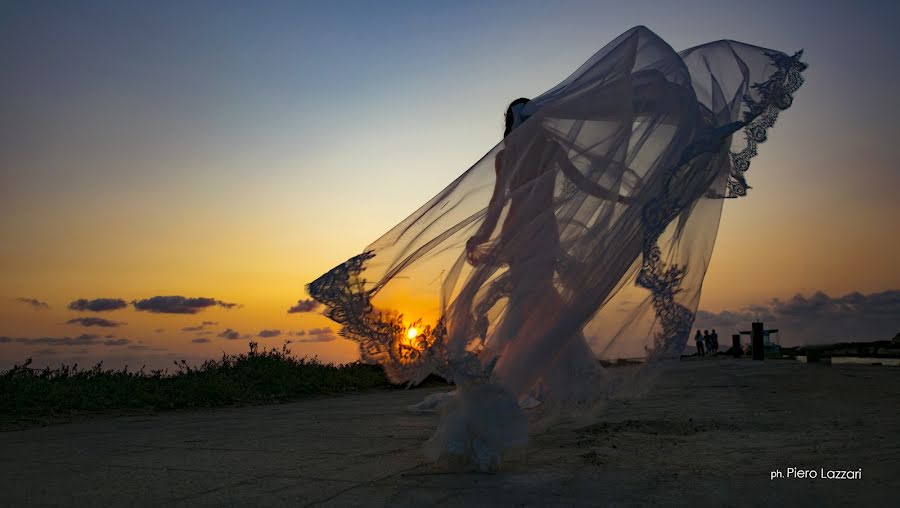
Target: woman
<point x="584" y="233"/>
<point x="528" y="245"/>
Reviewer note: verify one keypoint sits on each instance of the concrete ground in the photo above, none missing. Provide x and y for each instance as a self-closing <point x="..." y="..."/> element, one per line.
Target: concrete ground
<point x="711" y="432"/>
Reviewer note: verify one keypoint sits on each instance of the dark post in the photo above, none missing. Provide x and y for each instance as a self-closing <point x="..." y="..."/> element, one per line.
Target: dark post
<point x="756" y="341"/>
<point x="736" y="345"/>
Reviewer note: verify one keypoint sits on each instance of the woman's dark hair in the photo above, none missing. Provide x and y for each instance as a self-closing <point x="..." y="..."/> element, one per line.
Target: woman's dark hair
<point x="509" y="114"/>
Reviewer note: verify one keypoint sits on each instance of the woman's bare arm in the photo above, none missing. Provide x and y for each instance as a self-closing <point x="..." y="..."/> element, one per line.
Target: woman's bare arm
<point x="494" y="209"/>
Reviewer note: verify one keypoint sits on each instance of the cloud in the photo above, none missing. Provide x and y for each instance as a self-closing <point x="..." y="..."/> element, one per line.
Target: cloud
<point x="159" y="330"/>
<point x="84" y="339"/>
<point x="94" y="321"/>
<point x="98" y="304"/>
<point x="201" y="326"/>
<point x="200" y="340"/>
<point x="34" y="303"/>
<point x="178" y="304"/>
<point x="232" y="335"/>
<point x="144" y="347"/>
<point x="815" y="319"/>
<point x="324" y="334"/>
<point x="318" y="338"/>
<point x="304" y="306"/>
<point x="269" y="333"/>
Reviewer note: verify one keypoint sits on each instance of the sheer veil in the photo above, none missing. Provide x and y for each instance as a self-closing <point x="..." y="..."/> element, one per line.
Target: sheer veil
<point x="584" y="234"/>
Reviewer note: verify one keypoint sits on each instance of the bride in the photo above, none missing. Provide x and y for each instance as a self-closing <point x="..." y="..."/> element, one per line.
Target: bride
<point x="583" y="235"/>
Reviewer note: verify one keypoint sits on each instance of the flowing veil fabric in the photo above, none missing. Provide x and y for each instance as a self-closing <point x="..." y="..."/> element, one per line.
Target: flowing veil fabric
<point x="584" y="234"/>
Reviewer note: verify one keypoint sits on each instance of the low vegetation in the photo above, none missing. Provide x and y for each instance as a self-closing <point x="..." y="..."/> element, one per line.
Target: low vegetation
<point x="33" y="396"/>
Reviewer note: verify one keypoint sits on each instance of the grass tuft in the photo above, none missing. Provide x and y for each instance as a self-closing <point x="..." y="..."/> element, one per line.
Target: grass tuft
<point x="35" y="396"/>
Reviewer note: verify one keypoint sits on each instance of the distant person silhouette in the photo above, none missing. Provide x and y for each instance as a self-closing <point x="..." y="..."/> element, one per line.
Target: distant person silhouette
<point x="699" y="339"/>
<point x="707" y="342"/>
<point x="715" y="341"/>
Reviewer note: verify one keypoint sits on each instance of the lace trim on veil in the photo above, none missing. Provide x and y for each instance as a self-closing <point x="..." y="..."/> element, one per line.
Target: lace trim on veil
<point x="382" y="336"/>
<point x="664" y="281"/>
<point x="776" y="94"/>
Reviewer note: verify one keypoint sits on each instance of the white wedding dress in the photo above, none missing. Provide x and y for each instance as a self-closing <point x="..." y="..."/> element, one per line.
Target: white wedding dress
<point x="584" y="234"/>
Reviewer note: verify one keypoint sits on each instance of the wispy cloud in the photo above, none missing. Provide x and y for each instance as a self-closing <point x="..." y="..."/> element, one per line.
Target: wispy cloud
<point x="304" y="306"/>
<point x="269" y="333"/>
<point x="200" y="340"/>
<point x="97" y="304"/>
<point x="317" y="338"/>
<point x="34" y="303"/>
<point x="145" y="347"/>
<point x="69" y="353"/>
<point x="178" y="304"/>
<point x="324" y="334"/>
<point x="94" y="321"/>
<point x="201" y="326"/>
<point x="84" y="339"/>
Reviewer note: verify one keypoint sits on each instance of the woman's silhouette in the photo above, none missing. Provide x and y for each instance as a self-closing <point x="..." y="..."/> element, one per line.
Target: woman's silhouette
<point x="527" y="170"/>
<point x="608" y="184"/>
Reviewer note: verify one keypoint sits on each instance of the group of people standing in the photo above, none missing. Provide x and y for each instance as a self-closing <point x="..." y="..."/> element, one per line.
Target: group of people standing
<point x="707" y="343"/>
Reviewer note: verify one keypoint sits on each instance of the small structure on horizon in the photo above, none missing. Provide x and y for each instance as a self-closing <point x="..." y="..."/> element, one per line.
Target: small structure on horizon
<point x="760" y="339"/>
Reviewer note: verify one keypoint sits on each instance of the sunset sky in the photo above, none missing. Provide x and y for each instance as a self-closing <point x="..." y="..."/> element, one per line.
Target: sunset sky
<point x="237" y="150"/>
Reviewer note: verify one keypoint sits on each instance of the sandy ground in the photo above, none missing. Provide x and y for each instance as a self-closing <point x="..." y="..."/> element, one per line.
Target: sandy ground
<point x="710" y="433"/>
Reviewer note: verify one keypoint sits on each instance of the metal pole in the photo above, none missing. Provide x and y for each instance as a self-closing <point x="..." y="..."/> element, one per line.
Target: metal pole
<point x="756" y="340"/>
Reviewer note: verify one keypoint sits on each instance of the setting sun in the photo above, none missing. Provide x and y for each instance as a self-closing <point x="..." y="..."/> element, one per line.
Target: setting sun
<point x="413" y="331"/>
